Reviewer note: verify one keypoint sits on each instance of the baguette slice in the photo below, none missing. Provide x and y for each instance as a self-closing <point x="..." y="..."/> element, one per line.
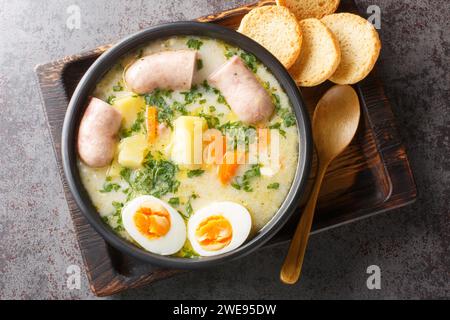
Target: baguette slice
<point x="276" y="29"/>
<point x="319" y="57"/>
<point x="360" y="46"/>
<point x="304" y="9"/>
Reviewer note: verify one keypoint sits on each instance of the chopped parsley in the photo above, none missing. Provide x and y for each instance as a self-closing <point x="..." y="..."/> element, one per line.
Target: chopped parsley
<point x="157" y="99"/>
<point x="273" y="186"/>
<point x="118" y="87"/>
<point x="199" y="64"/>
<point x="194" y="44"/>
<point x="278" y="127"/>
<point x="137" y="126"/>
<point x="287" y="116"/>
<point x="181" y="108"/>
<point x="157" y="177"/>
<point x="243" y="182"/>
<point x="211" y="120"/>
<point x="187" y="253"/>
<point x="248" y="58"/>
<point x="221" y="99"/>
<point x="206" y="85"/>
<point x="237" y="133"/>
<point x="191" y="95"/>
<point x="109" y="186"/>
<point x="117" y="215"/>
<point x="266" y="85"/>
<point x="276" y="101"/>
<point x="111" y="99"/>
<point x="139" y="122"/>
<point x="195" y="173"/>
<point x="189" y="209"/>
<point x="250" y="61"/>
<point x="175" y="201"/>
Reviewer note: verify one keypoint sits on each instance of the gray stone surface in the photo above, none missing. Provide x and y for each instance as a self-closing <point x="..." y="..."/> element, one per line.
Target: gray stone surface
<point x="411" y="245"/>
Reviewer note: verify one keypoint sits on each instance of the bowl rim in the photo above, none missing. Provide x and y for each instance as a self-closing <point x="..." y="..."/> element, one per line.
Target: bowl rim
<point x="97" y="70"/>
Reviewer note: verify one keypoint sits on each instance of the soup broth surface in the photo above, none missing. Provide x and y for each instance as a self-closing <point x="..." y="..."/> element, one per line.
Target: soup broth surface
<point x="189" y="188"/>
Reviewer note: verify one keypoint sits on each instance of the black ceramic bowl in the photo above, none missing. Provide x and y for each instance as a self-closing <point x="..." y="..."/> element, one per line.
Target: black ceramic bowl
<point x="87" y="84"/>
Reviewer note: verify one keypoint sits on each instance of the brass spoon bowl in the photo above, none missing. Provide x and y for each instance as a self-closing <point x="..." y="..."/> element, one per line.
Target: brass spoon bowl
<point x="335" y="122"/>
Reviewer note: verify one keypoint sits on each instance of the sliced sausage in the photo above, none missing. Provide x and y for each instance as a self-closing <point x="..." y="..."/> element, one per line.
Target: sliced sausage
<point x="164" y="70"/>
<point x="243" y="92"/>
<point x="97" y="135"/>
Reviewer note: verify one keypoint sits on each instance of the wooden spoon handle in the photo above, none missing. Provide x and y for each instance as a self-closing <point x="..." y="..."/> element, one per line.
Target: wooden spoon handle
<point x="290" y="272"/>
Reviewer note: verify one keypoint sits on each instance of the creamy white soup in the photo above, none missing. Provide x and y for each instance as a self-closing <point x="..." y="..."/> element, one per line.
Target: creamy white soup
<point x="207" y="201"/>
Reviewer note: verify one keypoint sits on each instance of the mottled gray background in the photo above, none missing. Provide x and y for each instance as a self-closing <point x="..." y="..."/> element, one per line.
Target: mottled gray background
<point x="411" y="245"/>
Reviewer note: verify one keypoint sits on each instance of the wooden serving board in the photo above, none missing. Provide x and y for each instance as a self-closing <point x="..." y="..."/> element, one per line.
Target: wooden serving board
<point x="372" y="176"/>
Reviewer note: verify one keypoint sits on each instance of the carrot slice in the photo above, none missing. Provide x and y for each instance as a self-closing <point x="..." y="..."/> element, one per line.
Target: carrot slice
<point x="216" y="146"/>
<point x="152" y="123"/>
<point x="228" y="167"/>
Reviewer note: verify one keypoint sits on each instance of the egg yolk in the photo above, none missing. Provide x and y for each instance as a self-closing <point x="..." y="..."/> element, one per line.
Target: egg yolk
<point x="151" y="223"/>
<point x="214" y="233"/>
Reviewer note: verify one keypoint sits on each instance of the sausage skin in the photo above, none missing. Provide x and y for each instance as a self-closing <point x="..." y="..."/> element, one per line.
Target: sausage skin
<point x="246" y="96"/>
<point x="164" y="70"/>
<point x="97" y="134"/>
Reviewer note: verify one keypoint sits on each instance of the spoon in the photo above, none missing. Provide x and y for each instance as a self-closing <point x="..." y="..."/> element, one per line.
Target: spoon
<point x="334" y="125"/>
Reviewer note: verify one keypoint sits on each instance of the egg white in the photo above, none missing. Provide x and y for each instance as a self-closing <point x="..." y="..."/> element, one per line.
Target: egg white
<point x="237" y="215"/>
<point x="168" y="244"/>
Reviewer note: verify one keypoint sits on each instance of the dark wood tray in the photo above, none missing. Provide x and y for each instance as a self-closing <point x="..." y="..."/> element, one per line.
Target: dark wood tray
<point x="372" y="176"/>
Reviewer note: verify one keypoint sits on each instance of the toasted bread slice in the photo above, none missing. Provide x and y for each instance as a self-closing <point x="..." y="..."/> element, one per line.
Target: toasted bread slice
<point x="319" y="57"/>
<point x="304" y="9"/>
<point x="276" y="29"/>
<point x="360" y="46"/>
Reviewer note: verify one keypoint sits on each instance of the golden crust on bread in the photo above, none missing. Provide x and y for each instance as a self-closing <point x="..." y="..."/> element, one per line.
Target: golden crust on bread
<point x="360" y="46"/>
<point x="275" y="28"/>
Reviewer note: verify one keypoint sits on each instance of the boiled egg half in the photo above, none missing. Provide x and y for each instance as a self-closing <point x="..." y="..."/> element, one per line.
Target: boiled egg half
<point x="154" y="225"/>
<point x="218" y="228"/>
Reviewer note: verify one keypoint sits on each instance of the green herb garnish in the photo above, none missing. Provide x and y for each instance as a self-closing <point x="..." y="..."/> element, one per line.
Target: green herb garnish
<point x="288" y="117"/>
<point x="187" y="253"/>
<point x="156" y="177"/>
<point x="211" y="120"/>
<point x="250" y="61"/>
<point x="189" y="209"/>
<point x="109" y="186"/>
<point x="221" y="99"/>
<point x="278" y="127"/>
<point x="118" y="87"/>
<point x="195" y="173"/>
<point x="181" y="108"/>
<point x="118" y="215"/>
<point x="237" y="134"/>
<point x="206" y="85"/>
<point x="111" y="99"/>
<point x="191" y="95"/>
<point x="273" y="186"/>
<point x="194" y="44"/>
<point x="175" y="201"/>
<point x="137" y="126"/>
<point x="199" y="64"/>
<point x="157" y="99"/>
<point x="243" y="183"/>
<point x="276" y="101"/>
<point x="248" y="58"/>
